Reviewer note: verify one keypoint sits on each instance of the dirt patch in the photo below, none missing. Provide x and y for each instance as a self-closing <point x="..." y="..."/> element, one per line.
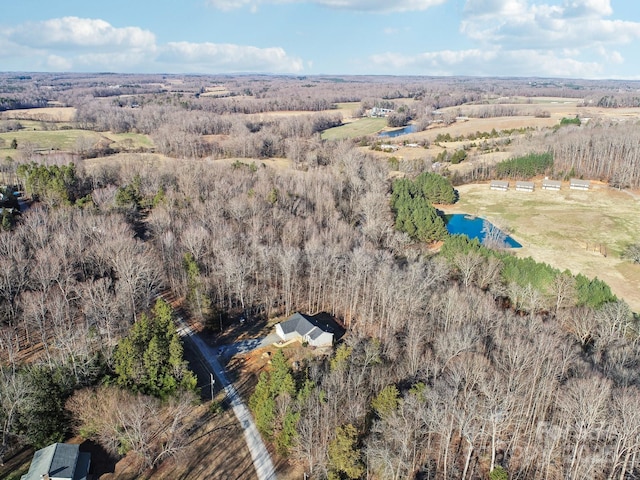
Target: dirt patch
<point x="580" y="231"/>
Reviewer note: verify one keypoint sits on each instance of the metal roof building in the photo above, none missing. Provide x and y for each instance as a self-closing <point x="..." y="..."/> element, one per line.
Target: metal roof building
<point x="577" y="184"/>
<point x="501" y="185"/>
<point x="525" y="186"/>
<point x="551" y="184"/>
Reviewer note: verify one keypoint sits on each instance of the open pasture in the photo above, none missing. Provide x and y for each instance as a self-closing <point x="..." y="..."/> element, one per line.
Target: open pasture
<point x="359" y="128"/>
<point x="71" y="140"/>
<point x="580" y="231"/>
<point x="48" y="114"/>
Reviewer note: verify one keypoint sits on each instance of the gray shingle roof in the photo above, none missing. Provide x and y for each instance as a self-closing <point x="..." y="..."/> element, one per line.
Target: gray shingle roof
<point x="302" y="325"/>
<point x="59" y="460"/>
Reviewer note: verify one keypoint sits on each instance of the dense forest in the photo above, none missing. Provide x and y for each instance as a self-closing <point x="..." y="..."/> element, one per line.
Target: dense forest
<point x="462" y="362"/>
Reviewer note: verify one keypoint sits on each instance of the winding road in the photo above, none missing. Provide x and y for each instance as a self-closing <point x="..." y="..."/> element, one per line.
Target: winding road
<point x="261" y="459"/>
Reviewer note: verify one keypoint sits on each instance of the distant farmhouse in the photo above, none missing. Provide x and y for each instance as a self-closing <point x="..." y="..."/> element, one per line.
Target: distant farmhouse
<point x="306" y="329"/>
<point x="577" y="184"/>
<point x="389" y="147"/>
<point x="380" y="112"/>
<point x="59" y="461"/>
<point x="551" y="184"/>
<point x="525" y="186"/>
<point x="500" y="185"/>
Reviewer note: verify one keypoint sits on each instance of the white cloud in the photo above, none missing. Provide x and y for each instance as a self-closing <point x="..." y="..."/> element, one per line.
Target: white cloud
<point x="488" y="62"/>
<point x="74" y="32"/>
<point x="211" y="57"/>
<point x="517" y="24"/>
<point x="227" y="5"/>
<point x="356" y="5"/>
<point x="611" y="56"/>
<point x="57" y="63"/>
<point x="495" y="7"/>
<point x="81" y="44"/>
<point x="587" y="8"/>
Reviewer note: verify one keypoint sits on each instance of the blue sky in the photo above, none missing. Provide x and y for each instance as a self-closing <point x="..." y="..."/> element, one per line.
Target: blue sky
<point x="548" y="38"/>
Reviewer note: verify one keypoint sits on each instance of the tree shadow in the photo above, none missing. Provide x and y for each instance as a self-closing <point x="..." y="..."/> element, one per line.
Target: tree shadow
<point x="102" y="462"/>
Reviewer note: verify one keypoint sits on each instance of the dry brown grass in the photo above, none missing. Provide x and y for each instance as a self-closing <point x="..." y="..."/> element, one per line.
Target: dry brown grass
<point x="48" y="114"/>
<point x="583" y="232"/>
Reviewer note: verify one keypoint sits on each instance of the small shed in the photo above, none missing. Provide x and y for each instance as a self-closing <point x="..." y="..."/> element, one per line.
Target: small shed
<point x="551" y="184"/>
<point x="525" y="186"/>
<point x="305" y="329"/>
<point x="577" y="184"/>
<point x="500" y="185"/>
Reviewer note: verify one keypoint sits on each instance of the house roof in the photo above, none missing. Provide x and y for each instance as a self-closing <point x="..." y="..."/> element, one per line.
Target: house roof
<point x="499" y="183"/>
<point x="525" y="184"/>
<point x="302" y="325"/>
<point x="59" y="461"/>
<point x="577" y="181"/>
<point x="556" y="183"/>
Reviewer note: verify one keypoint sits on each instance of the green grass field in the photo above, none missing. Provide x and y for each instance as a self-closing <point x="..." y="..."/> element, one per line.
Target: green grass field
<point x="67" y="140"/>
<point x="359" y="128"/>
<point x="348" y="105"/>
<point x="133" y="140"/>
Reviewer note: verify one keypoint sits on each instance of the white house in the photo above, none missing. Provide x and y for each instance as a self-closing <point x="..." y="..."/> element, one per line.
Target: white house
<point x="304" y="329"/>
<point x="380" y="112"/>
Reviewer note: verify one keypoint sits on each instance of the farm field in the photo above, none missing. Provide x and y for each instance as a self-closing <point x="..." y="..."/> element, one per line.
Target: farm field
<point x="67" y="140"/>
<point x="566" y="229"/>
<point x="48" y="114"/>
<point x="358" y="128"/>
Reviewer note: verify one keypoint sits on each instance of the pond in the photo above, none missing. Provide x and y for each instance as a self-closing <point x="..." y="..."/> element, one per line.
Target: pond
<point x="398" y="132"/>
<point x="476" y="227"/>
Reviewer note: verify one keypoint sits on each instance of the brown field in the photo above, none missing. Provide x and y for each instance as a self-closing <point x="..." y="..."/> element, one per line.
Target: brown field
<point x="583" y="232"/>
<point x="49" y="114"/>
<point x="215" y="91"/>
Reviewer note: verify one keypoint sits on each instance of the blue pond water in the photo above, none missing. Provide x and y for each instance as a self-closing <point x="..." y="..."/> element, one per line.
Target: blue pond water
<point x="472" y="227"/>
<point x="400" y="131"/>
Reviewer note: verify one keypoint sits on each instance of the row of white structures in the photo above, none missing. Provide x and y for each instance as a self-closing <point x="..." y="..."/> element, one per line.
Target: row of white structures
<point x="574" y="184"/>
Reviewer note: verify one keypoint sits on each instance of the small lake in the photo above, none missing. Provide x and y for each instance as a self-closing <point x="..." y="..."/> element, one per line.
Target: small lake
<point x="473" y="227"/>
<point x="398" y="132"/>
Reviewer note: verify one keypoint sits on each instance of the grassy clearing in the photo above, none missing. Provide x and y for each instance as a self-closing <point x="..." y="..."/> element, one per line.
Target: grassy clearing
<point x="48" y="140"/>
<point x="348" y="105"/>
<point x="583" y="232"/>
<point x="129" y="140"/>
<point x="48" y="114"/>
<point x="359" y="128"/>
<point x="39" y="125"/>
<point x="67" y="140"/>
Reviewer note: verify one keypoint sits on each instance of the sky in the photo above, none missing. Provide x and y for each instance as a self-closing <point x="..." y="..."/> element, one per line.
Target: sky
<point x="594" y="39"/>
